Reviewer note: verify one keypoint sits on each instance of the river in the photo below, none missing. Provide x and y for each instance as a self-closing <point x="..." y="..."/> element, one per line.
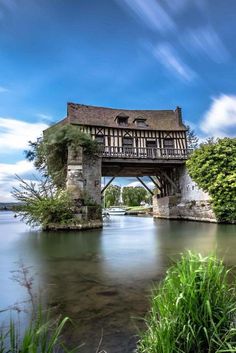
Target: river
<point x="102" y="278"/>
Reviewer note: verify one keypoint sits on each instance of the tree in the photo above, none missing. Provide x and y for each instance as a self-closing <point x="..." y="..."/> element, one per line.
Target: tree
<point x="213" y="167"/>
<point x="49" y="153"/>
<point x="192" y="139"/>
<point x="112" y="195"/>
<point x="132" y="196"/>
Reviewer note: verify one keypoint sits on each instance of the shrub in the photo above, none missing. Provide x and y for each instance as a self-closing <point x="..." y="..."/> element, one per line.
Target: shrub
<point x="213" y="167"/>
<point x="193" y="310"/>
<point x="42" y="203"/>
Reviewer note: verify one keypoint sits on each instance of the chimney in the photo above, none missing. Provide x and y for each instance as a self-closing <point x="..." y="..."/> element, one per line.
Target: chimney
<point x="178" y="113"/>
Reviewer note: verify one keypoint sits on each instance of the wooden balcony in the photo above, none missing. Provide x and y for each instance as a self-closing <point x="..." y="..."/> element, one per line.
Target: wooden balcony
<point x="144" y="153"/>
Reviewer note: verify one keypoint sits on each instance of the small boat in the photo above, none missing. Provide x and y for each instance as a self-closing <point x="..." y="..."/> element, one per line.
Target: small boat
<point x="116" y="211"/>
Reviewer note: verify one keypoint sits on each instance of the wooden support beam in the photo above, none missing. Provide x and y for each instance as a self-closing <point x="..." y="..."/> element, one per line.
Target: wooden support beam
<point x="170" y="180"/>
<point x="155" y="182"/>
<point x="106" y="186"/>
<point x="146" y="187"/>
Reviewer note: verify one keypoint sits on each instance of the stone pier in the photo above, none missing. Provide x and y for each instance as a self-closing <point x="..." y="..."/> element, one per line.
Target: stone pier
<point x="191" y="203"/>
<point x="84" y="184"/>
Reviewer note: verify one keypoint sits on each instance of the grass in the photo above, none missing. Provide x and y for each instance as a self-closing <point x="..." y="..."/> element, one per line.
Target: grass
<point x="193" y="310"/>
<point x="41" y="336"/>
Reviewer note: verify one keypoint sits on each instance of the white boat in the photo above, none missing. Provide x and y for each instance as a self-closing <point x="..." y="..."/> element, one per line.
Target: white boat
<point x="116" y="211"/>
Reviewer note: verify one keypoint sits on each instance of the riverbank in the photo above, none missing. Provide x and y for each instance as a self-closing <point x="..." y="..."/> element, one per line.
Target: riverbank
<point x="139" y="211"/>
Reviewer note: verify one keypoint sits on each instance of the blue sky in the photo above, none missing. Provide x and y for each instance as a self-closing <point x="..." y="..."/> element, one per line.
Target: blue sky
<point x="141" y="54"/>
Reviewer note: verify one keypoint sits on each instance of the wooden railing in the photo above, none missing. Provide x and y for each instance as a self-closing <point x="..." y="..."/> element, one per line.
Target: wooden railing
<point x="144" y="153"/>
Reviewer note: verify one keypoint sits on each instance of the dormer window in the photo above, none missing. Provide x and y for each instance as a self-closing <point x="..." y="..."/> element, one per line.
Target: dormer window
<point x="122" y="119"/>
<point x="140" y="122"/>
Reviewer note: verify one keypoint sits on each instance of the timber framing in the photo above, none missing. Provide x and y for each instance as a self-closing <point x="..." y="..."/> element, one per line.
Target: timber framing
<point x="134" y="143"/>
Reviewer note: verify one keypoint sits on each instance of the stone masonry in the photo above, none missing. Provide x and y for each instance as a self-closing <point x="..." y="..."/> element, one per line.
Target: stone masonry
<point x="191" y="203"/>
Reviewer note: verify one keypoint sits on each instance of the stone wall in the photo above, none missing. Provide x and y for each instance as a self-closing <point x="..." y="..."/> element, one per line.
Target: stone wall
<point x="84" y="176"/>
<point x="84" y="184"/>
<point x="192" y="203"/>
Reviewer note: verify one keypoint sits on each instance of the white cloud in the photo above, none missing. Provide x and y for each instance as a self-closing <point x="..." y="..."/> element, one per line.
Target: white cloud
<point x="220" y="119"/>
<point x="7" y="177"/>
<point x="45" y="117"/>
<point x="207" y="41"/>
<point x="8" y="4"/>
<point x="151" y="13"/>
<point x="168" y="57"/>
<point x="3" y="89"/>
<point x="149" y="184"/>
<point x="15" y="134"/>
<point x="177" y="6"/>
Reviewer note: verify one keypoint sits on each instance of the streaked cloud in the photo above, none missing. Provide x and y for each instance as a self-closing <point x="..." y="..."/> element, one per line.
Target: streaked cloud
<point x="15" y="134"/>
<point x="7" y="177"/>
<point x="151" y="13"/>
<point x="207" y="41"/>
<point x="177" y="6"/>
<point x="149" y="184"/>
<point x="3" y="89"/>
<point x="45" y="117"/>
<point x="169" y="58"/>
<point x="220" y="119"/>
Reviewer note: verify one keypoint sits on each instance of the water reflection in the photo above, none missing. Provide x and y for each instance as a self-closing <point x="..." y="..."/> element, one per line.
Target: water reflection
<point x="102" y="278"/>
<point x="130" y="249"/>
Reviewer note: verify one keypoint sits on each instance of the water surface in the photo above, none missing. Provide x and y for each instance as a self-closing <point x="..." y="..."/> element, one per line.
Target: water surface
<point x="102" y="278"/>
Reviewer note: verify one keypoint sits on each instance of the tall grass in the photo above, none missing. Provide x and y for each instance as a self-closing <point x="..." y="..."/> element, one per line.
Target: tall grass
<point x="193" y="310"/>
<point x="43" y="335"/>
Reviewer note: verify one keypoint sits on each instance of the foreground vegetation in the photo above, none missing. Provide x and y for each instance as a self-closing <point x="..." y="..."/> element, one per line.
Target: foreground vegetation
<point x="193" y="310"/>
<point x="41" y="336"/>
<point x="213" y="167"/>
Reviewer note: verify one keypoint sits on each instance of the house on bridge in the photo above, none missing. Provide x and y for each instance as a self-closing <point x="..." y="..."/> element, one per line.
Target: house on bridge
<point x="133" y="143"/>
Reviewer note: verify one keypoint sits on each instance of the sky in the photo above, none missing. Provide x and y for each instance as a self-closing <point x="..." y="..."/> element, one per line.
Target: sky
<point x="131" y="54"/>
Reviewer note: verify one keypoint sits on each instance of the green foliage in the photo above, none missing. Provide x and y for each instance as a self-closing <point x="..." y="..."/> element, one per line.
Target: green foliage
<point x="132" y="196"/>
<point x="42" y="335"/>
<point x="192" y="139"/>
<point x="213" y="167"/>
<point x="43" y="204"/>
<point x="112" y="195"/>
<point x="50" y="152"/>
<point x="193" y="310"/>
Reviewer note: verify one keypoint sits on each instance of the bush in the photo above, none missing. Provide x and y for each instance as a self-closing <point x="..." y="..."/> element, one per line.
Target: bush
<point x="213" y="167"/>
<point x="42" y="203"/>
<point x="193" y="310"/>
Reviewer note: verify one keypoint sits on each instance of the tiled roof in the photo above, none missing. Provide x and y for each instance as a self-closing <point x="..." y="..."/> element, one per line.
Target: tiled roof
<point x="98" y="116"/>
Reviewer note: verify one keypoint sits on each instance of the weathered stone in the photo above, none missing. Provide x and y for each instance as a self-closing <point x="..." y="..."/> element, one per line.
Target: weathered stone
<point x="192" y="203"/>
<point x="79" y="226"/>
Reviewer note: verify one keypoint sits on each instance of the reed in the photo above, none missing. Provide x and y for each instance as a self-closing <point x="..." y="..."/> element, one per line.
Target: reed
<point x="193" y="310"/>
<point x="43" y="335"/>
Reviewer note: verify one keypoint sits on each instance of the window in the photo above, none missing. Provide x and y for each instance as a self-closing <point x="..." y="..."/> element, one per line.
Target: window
<point x="151" y="143"/>
<point x="122" y="119"/>
<point x="100" y="139"/>
<point x="127" y="142"/>
<point x="140" y="122"/>
<point x="168" y="143"/>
